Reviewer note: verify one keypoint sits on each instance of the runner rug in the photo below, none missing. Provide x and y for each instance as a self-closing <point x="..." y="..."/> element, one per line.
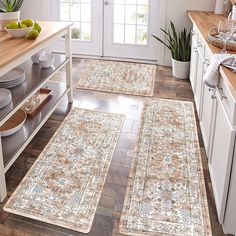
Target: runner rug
<point x="118" y="77"/>
<point x="64" y="185"/>
<point x="166" y="191"/>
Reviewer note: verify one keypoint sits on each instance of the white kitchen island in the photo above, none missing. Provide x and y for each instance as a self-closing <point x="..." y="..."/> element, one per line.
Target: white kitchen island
<point x="17" y="52"/>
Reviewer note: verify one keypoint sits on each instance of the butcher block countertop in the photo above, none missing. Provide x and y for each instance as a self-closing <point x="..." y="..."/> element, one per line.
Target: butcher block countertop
<point x="204" y="21"/>
<point x="11" y="49"/>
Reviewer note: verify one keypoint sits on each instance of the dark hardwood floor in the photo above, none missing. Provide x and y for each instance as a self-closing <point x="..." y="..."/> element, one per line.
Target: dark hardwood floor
<point x="106" y="221"/>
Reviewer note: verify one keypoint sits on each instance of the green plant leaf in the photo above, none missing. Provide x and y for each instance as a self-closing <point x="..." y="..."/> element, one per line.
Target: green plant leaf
<point x="161" y="41"/>
<point x="10" y="5"/>
<point x="179" y="42"/>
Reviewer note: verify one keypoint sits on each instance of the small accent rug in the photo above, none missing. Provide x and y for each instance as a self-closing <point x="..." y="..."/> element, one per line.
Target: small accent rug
<point x="166" y="191"/>
<point x="118" y="77"/>
<point x="64" y="185"/>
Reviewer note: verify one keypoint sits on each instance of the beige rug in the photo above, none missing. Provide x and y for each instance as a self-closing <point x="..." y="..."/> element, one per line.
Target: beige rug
<point x="118" y="77"/>
<point x="166" y="191"/>
<point x="64" y="185"/>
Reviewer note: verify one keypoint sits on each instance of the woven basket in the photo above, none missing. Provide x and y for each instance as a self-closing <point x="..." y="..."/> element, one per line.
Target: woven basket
<point x="214" y="40"/>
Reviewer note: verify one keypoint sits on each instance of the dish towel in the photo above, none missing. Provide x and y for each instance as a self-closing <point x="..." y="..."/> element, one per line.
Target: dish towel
<point x="211" y="77"/>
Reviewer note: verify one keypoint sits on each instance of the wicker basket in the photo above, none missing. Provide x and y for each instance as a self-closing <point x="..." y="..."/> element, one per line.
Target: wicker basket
<point x="214" y="40"/>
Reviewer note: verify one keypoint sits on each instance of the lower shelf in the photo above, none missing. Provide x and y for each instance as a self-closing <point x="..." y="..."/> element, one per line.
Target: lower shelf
<point x="13" y="145"/>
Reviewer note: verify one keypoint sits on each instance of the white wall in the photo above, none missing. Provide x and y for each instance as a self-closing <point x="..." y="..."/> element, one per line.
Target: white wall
<point x="38" y="10"/>
<point x="175" y="11"/>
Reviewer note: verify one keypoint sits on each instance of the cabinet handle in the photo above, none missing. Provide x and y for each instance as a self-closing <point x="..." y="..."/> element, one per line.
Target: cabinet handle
<point x="195" y="49"/>
<point x="211" y="89"/>
<point x="222" y="96"/>
<point x="199" y="45"/>
<point x="213" y="97"/>
<point x="207" y="62"/>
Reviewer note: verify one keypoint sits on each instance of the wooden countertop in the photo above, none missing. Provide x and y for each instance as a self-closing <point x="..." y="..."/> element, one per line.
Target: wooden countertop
<point x="11" y="49"/>
<point x="204" y="21"/>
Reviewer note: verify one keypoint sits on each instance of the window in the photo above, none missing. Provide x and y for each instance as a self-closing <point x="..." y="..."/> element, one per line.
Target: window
<point x="130" y="19"/>
<point x="78" y="12"/>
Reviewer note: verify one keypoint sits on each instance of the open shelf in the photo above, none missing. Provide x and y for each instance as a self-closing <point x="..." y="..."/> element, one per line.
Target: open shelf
<point x="35" y="77"/>
<point x="13" y="144"/>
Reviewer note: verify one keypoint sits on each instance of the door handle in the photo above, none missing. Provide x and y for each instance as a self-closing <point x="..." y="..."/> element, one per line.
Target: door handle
<point x="106" y="3"/>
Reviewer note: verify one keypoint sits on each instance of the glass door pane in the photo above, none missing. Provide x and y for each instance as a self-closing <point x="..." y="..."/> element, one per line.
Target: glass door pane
<point x="86" y="33"/>
<point x="130" y="21"/>
<point x="78" y="12"/>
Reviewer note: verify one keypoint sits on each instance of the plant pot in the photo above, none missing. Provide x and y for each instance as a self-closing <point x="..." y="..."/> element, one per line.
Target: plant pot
<point x="6" y="17"/>
<point x="180" y="69"/>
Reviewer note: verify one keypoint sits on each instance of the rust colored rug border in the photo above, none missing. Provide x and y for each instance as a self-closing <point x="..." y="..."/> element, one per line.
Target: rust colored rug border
<point x="64" y="185"/>
<point x="118" y="77"/>
<point x="140" y="206"/>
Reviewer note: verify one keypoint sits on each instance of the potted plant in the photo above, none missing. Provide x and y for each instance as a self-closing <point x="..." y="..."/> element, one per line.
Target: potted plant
<point x="180" y="47"/>
<point x="9" y="11"/>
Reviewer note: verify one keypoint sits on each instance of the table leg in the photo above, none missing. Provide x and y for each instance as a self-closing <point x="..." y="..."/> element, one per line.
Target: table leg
<point x="69" y="64"/>
<point x="3" y="188"/>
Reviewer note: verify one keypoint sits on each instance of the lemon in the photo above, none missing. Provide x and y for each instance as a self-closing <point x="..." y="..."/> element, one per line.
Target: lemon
<point x="12" y="25"/>
<point x="27" y="22"/>
<point x="37" y="27"/>
<point x="33" y="34"/>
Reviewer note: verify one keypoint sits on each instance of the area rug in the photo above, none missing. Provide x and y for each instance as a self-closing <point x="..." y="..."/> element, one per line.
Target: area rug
<point x="118" y="77"/>
<point x="64" y="185"/>
<point x="166" y="191"/>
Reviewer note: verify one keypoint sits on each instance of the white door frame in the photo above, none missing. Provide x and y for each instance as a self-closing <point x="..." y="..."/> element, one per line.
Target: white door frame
<point x="48" y="15"/>
<point x="133" y="51"/>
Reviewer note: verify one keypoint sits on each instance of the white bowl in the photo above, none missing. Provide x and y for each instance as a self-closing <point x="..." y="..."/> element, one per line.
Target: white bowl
<point x="35" y="57"/>
<point x="46" y="61"/>
<point x="19" y="33"/>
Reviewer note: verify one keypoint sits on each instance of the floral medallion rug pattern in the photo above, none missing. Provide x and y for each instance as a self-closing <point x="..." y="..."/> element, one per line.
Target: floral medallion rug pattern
<point x="64" y="185"/>
<point x="166" y="191"/>
<point x="118" y="77"/>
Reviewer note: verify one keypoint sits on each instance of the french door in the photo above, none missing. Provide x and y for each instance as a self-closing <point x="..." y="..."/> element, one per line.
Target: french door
<point x="128" y="26"/>
<point x="111" y="28"/>
<point x="87" y="16"/>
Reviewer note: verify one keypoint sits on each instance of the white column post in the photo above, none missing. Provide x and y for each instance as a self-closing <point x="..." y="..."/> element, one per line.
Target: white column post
<point x="69" y="64"/>
<point x="3" y="188"/>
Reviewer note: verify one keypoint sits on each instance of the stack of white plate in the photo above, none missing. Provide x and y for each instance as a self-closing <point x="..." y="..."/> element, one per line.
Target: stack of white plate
<point x="13" y="78"/>
<point x="5" y="97"/>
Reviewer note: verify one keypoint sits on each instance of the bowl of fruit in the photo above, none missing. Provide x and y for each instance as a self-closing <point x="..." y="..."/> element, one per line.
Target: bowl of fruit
<point x="26" y="28"/>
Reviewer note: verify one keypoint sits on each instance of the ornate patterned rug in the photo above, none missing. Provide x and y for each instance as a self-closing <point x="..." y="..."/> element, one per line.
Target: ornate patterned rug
<point x="64" y="185"/>
<point x="118" y="77"/>
<point x="166" y="191"/>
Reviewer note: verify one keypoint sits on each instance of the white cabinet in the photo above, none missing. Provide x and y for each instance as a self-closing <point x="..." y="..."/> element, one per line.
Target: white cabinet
<point x="208" y="110"/>
<point x="229" y="225"/>
<point x="199" y="76"/>
<point x="217" y="115"/>
<point x="221" y="159"/>
<point x="208" y="113"/>
<point x="194" y="59"/>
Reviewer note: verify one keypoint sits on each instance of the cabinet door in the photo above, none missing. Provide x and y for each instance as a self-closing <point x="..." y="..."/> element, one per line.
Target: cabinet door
<point x="208" y="112"/>
<point x="221" y="158"/>
<point x="194" y="59"/>
<point x="199" y="85"/>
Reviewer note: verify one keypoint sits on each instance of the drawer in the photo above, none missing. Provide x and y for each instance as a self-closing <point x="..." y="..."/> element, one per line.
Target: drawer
<point x="228" y="101"/>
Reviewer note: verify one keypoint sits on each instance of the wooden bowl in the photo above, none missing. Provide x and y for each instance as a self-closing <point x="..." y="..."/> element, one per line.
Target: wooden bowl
<point x="13" y="124"/>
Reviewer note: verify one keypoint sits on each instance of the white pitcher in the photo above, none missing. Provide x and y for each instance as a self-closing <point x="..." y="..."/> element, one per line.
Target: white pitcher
<point x="220" y="6"/>
<point x="232" y="14"/>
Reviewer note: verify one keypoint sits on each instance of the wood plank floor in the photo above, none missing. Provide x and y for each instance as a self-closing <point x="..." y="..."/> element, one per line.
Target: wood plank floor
<point x="108" y="213"/>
